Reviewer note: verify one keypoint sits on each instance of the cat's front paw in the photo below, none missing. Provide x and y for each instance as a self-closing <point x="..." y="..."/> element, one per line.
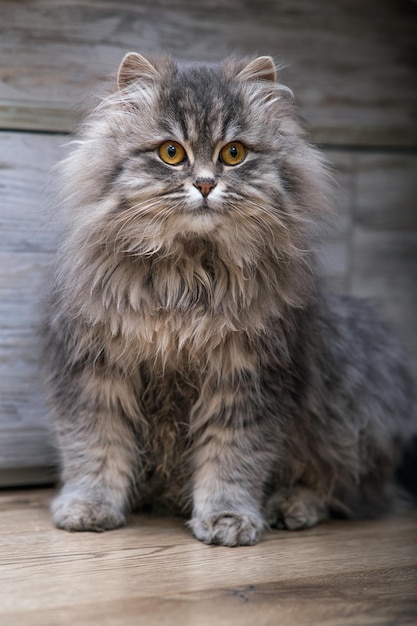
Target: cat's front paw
<point x="295" y="509"/>
<point x="77" y="513"/>
<point x="228" y="529"/>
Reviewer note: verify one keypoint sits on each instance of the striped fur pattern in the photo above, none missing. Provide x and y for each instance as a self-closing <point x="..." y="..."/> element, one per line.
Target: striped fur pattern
<point x="195" y="362"/>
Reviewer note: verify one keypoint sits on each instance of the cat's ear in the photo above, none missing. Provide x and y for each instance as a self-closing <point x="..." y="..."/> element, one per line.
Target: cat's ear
<point x="134" y="67"/>
<point x="260" y="68"/>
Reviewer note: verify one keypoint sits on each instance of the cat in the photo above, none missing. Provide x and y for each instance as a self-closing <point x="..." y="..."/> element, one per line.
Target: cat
<point x="196" y="362"/>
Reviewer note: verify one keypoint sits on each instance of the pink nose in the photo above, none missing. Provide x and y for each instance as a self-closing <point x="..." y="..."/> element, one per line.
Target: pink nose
<point x="205" y="185"/>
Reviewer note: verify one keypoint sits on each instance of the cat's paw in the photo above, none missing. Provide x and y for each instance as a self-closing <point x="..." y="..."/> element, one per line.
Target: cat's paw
<point x="295" y="510"/>
<point x="76" y="513"/>
<point x="228" y="529"/>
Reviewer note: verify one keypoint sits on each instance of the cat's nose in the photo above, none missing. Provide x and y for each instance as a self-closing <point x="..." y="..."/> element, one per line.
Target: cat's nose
<point x="205" y="185"/>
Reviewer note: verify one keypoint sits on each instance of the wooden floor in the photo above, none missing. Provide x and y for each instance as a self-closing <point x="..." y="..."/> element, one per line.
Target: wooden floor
<point x="153" y="572"/>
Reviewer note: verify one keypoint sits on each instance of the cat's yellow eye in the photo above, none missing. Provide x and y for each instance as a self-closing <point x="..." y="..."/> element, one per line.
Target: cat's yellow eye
<point x="172" y="152"/>
<point x="233" y="153"/>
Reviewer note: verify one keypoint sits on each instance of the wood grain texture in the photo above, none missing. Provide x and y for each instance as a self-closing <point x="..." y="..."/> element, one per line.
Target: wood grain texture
<point x="27" y="240"/>
<point x="352" y="65"/>
<point x="154" y="573"/>
<point x="386" y="192"/>
<point x="334" y="246"/>
<point x="384" y="239"/>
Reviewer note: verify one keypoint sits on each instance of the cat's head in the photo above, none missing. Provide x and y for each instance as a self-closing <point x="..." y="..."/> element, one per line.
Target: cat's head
<point x="195" y="151"/>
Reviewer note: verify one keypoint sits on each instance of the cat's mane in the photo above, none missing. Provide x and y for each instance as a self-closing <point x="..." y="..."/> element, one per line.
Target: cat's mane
<point x="242" y="272"/>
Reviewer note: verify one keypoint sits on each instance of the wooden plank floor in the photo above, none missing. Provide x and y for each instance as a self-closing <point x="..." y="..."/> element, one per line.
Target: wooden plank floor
<point x="153" y="572"/>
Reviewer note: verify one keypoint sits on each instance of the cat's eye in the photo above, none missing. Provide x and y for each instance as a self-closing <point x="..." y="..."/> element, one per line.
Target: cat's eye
<point x="172" y="152"/>
<point x="233" y="153"/>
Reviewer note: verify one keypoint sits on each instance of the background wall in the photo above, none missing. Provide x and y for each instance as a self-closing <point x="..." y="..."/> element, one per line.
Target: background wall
<point x="352" y="67"/>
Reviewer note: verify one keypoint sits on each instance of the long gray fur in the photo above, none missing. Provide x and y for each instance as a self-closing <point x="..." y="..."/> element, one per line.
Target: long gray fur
<point x="196" y="362"/>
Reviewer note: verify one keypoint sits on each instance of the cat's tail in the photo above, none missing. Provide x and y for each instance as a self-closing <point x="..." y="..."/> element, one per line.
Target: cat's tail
<point x="407" y="471"/>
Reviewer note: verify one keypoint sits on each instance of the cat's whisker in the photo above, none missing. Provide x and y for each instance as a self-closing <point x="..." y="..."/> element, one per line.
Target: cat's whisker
<point x="262" y="217"/>
<point x="136" y="213"/>
<point x="283" y="220"/>
<point x="271" y="218"/>
<point x="150" y="230"/>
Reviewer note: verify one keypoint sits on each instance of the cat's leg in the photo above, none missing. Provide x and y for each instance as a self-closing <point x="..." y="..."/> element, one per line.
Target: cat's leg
<point x="226" y="503"/>
<point x="98" y="450"/>
<point x="232" y="458"/>
<point x="295" y="508"/>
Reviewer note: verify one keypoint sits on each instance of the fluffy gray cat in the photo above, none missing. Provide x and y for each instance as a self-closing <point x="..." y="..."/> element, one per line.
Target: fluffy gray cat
<point x="195" y="361"/>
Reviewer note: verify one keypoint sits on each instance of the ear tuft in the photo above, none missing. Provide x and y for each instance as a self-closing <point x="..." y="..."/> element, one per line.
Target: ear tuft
<point x="261" y="68"/>
<point x="134" y="67"/>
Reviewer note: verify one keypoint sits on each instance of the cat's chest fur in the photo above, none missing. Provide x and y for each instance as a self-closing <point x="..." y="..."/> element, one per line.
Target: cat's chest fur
<point x="181" y="309"/>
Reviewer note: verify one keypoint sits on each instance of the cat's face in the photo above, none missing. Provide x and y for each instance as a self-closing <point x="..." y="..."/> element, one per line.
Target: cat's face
<point x="201" y="150"/>
<point x="211" y="150"/>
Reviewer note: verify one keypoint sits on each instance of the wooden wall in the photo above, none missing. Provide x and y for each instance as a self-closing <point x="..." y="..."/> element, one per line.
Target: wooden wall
<point x="352" y="67"/>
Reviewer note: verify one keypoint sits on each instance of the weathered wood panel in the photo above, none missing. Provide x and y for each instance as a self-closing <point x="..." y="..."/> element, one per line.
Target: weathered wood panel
<point x="350" y="63"/>
<point x="352" y="66"/>
<point x="384" y="242"/>
<point x="386" y="191"/>
<point x="27" y="239"/>
<point x="335" y="245"/>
